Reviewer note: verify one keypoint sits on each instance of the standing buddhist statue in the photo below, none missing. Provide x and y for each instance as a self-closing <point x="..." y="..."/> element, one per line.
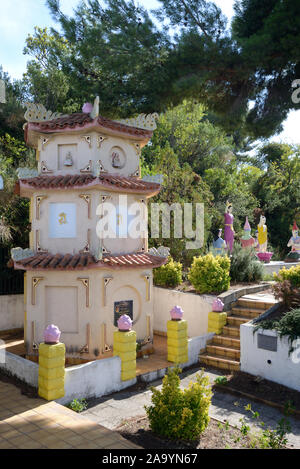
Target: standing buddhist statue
<point x="229" y="231"/>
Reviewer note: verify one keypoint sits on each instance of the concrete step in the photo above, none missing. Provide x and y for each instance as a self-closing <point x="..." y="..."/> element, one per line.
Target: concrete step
<point x="245" y="312"/>
<point x="223" y="352"/>
<point x="232" y="331"/>
<point x="236" y="320"/>
<point x="218" y="362"/>
<point x="257" y="304"/>
<point x="226" y="341"/>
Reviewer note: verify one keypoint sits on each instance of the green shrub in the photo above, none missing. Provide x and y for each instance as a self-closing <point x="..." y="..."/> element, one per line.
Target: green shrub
<point x="221" y="380"/>
<point x="180" y="414"/>
<point x="288" y="325"/>
<point x="78" y="405"/>
<point x="168" y="275"/>
<point x="244" y="266"/>
<point x="292" y="275"/>
<point x="288" y="294"/>
<point x="209" y="274"/>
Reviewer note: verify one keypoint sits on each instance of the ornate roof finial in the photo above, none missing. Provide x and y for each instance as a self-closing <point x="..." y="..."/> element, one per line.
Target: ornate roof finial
<point x="38" y="113"/>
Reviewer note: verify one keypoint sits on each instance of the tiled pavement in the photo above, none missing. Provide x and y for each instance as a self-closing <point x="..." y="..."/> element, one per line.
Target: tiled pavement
<point x="32" y="423"/>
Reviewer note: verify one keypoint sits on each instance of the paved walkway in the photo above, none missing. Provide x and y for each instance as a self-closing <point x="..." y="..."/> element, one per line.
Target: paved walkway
<point x="113" y="410"/>
<point x="30" y="423"/>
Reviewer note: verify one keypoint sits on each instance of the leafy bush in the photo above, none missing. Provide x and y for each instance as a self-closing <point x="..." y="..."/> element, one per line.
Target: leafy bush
<point x="180" y="414"/>
<point x="287" y="293"/>
<point x="78" y="405"/>
<point x="209" y="274"/>
<point x="292" y="275"/>
<point x="222" y="380"/>
<point x="168" y="275"/>
<point x="244" y="266"/>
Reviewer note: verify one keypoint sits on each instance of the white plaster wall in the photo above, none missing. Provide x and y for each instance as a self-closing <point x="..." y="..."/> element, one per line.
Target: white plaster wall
<point x="126" y="284"/>
<point x="94" y="379"/>
<point x="83" y="223"/>
<point x="25" y="370"/>
<point x="11" y="312"/>
<point x="82" y="152"/>
<point x="282" y="370"/>
<point x="195" y="307"/>
<point x="276" y="266"/>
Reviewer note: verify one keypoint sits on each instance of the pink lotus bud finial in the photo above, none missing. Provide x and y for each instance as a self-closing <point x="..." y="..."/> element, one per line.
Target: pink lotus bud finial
<point x="124" y="323"/>
<point x="52" y="334"/>
<point x="176" y="313"/>
<point x="217" y="305"/>
<point x="87" y="108"/>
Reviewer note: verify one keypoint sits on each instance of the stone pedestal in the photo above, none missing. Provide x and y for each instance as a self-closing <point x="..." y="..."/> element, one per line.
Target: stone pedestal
<point x="216" y="322"/>
<point x="125" y="348"/>
<point x="51" y="371"/>
<point x="177" y="341"/>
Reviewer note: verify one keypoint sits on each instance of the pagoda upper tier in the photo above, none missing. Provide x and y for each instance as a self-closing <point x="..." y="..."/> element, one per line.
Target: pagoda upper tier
<point x="87" y="143"/>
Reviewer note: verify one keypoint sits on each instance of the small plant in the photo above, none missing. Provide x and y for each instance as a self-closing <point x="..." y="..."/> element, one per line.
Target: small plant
<point x="168" y="275"/>
<point x="180" y="414"/>
<point x="288" y="325"/>
<point x="78" y="405"/>
<point x="264" y="438"/>
<point x="222" y="380"/>
<point x="244" y="266"/>
<point x="292" y="275"/>
<point x="209" y="274"/>
<point x="287" y="293"/>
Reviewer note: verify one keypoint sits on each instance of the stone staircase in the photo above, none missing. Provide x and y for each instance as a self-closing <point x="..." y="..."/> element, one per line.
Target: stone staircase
<point x="223" y="350"/>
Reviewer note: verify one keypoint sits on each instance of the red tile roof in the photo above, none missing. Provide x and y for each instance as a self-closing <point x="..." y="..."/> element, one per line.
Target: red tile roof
<point x="108" y="181"/>
<point x="82" y="120"/>
<point x="87" y="261"/>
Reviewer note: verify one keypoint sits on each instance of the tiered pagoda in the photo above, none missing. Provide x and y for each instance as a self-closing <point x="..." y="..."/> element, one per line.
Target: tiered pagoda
<point x="76" y="277"/>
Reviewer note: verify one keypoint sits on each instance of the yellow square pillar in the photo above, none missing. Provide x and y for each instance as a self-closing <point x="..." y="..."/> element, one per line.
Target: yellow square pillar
<point x="216" y="322"/>
<point x="52" y="371"/>
<point x="125" y="348"/>
<point x="177" y="341"/>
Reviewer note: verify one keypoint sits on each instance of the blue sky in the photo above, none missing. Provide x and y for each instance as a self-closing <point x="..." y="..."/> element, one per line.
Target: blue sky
<point x="18" y="18"/>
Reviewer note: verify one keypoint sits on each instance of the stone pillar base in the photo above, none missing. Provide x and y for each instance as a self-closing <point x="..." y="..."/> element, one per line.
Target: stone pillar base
<point x="177" y="341"/>
<point x="125" y="348"/>
<point x="216" y="322"/>
<point x="51" y="371"/>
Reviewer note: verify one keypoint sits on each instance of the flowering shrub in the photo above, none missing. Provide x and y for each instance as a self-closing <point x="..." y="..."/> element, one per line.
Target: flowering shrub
<point x="292" y="275"/>
<point x="168" y="275"/>
<point x="180" y="414"/>
<point x="209" y="274"/>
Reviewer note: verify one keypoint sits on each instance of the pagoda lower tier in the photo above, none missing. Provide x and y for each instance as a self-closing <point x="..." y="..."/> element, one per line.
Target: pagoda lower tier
<point x="85" y="297"/>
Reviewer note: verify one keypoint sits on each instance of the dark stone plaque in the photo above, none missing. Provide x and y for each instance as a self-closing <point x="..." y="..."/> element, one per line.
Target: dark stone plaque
<point x="122" y="307"/>
<point x="267" y="342"/>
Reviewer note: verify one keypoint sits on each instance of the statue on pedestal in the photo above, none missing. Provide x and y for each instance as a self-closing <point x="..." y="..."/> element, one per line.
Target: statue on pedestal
<point x="229" y="231"/>
<point x="294" y="243"/>
<point x="247" y="240"/>
<point x="262" y="234"/>
<point x="219" y="245"/>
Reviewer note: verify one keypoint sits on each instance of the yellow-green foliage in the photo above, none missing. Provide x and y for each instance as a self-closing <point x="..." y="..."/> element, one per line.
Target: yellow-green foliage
<point x="168" y="275"/>
<point x="292" y="274"/>
<point x="210" y="274"/>
<point x="180" y="414"/>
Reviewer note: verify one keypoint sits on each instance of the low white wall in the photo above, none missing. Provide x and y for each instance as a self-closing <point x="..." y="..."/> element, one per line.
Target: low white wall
<point x="275" y="266"/>
<point x="195" y="307"/>
<point x="195" y="344"/>
<point x="94" y="379"/>
<point x="17" y="366"/>
<point x="11" y="312"/>
<point x="283" y="369"/>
